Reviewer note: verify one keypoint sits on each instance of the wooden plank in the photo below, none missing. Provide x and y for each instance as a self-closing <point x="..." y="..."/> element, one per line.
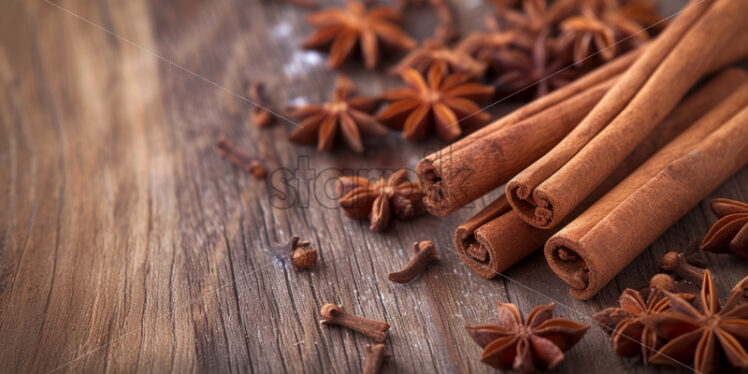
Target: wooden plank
<point x="127" y="243"/>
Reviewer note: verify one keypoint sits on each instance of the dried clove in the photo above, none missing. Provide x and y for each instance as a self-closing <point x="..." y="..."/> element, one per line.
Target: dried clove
<point x="238" y="157"/>
<point x="335" y="315"/>
<point x="375" y="356"/>
<point x="676" y="263"/>
<point x="260" y="116"/>
<point x="424" y="252"/>
<point x="663" y="282"/>
<point x="302" y="255"/>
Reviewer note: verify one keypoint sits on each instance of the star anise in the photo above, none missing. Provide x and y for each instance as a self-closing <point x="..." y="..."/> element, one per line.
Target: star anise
<point x="445" y="102"/>
<point x="633" y="20"/>
<point x="435" y="52"/>
<point x="586" y="34"/>
<point x="535" y="15"/>
<point x="730" y="233"/>
<point x="343" y="28"/>
<point x="532" y="73"/>
<point x="347" y="114"/>
<point x="711" y="336"/>
<point x="630" y="335"/>
<point x="540" y="342"/>
<point x="395" y="196"/>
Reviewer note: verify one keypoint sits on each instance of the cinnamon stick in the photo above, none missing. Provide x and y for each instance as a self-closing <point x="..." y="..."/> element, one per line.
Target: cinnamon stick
<point x="696" y="42"/>
<point x="441" y="173"/>
<point x="496" y="238"/>
<point x="596" y="246"/>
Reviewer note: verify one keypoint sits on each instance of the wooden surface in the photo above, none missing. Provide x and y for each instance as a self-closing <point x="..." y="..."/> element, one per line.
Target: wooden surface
<point x="127" y="243"/>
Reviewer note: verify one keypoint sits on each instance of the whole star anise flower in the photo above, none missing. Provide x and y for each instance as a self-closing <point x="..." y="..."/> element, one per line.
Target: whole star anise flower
<point x="445" y="102"/>
<point x="343" y="28"/>
<point x="532" y="73"/>
<point x="483" y="45"/>
<point x="435" y="52"/>
<point x="730" y="233"/>
<point x="630" y="335"/>
<point x="347" y="114"/>
<point x="539" y="342"/>
<point x="711" y="336"/>
<point x="394" y="196"/>
<point x="586" y="34"/>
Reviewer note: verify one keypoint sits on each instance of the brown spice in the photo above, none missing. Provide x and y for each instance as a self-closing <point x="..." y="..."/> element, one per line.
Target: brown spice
<point x="343" y="28"/>
<point x="539" y="341"/>
<point x="442" y="101"/>
<point x="424" y="252"/>
<point x="302" y="255"/>
<point x="260" y="116"/>
<point x="676" y="263"/>
<point x="713" y="336"/>
<point x="335" y="315"/>
<point x="375" y="357"/>
<point x="663" y="282"/>
<point x="730" y="232"/>
<point x="396" y="196"/>
<point x="347" y="114"/>
<point x="434" y="52"/>
<point x="630" y="336"/>
<point x="240" y="158"/>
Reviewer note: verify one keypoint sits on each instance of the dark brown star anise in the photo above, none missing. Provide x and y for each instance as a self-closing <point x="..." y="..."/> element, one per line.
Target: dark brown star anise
<point x="634" y="21"/>
<point x="531" y="75"/>
<point x="730" y="233"/>
<point x="347" y="114"/>
<point x="395" y="196"/>
<point x="586" y="35"/>
<point x="712" y="337"/>
<point x="445" y="102"/>
<point x="535" y="15"/>
<point x="624" y="323"/>
<point x="539" y="342"/>
<point x="435" y="52"/>
<point x="343" y="28"/>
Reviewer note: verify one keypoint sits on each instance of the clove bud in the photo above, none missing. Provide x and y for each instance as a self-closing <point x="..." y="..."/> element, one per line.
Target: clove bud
<point x="424" y="252"/>
<point x="335" y="315"/>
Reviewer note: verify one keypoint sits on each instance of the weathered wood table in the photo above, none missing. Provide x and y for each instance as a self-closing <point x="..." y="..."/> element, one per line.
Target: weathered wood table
<point x="127" y="243"/>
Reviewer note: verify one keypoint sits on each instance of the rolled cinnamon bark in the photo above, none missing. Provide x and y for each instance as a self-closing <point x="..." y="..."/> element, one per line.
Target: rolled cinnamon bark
<point x="697" y="40"/>
<point x="496" y="238"/>
<point x="441" y="172"/>
<point x="595" y="247"/>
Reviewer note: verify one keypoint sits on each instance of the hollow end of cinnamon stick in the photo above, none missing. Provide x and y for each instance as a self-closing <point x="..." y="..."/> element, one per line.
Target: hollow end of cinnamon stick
<point x="566" y="260"/>
<point x="436" y="195"/>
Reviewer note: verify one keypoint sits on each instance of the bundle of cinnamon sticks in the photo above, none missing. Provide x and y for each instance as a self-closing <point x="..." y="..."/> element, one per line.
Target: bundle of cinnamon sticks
<point x="616" y="157"/>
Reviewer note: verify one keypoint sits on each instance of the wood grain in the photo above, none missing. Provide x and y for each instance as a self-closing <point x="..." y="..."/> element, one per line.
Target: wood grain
<point x="127" y="243"/>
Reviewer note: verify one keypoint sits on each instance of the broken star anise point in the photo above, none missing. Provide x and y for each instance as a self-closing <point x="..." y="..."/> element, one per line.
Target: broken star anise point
<point x="538" y="342"/>
<point x="346" y="114"/>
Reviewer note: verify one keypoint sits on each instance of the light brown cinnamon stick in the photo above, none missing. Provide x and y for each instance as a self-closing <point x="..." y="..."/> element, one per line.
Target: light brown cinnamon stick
<point x="496" y="238"/>
<point x="596" y="246"/>
<point x="706" y="31"/>
<point x="441" y="173"/>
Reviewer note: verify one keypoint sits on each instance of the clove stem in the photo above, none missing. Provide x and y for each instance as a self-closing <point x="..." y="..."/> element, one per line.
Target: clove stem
<point x="424" y="252"/>
<point x="335" y="315"/>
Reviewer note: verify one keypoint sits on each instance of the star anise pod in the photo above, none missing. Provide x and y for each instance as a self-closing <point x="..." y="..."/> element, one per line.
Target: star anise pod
<point x="445" y="102"/>
<point x="532" y="73"/>
<point x="435" y="52"/>
<point x="535" y="15"/>
<point x="630" y="335"/>
<point x="730" y="233"/>
<point x="711" y="336"/>
<point x="587" y="35"/>
<point x="633" y="20"/>
<point x="395" y="196"/>
<point x="347" y="113"/>
<point x="343" y="28"/>
<point x="539" y="342"/>
<point x="483" y="45"/>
